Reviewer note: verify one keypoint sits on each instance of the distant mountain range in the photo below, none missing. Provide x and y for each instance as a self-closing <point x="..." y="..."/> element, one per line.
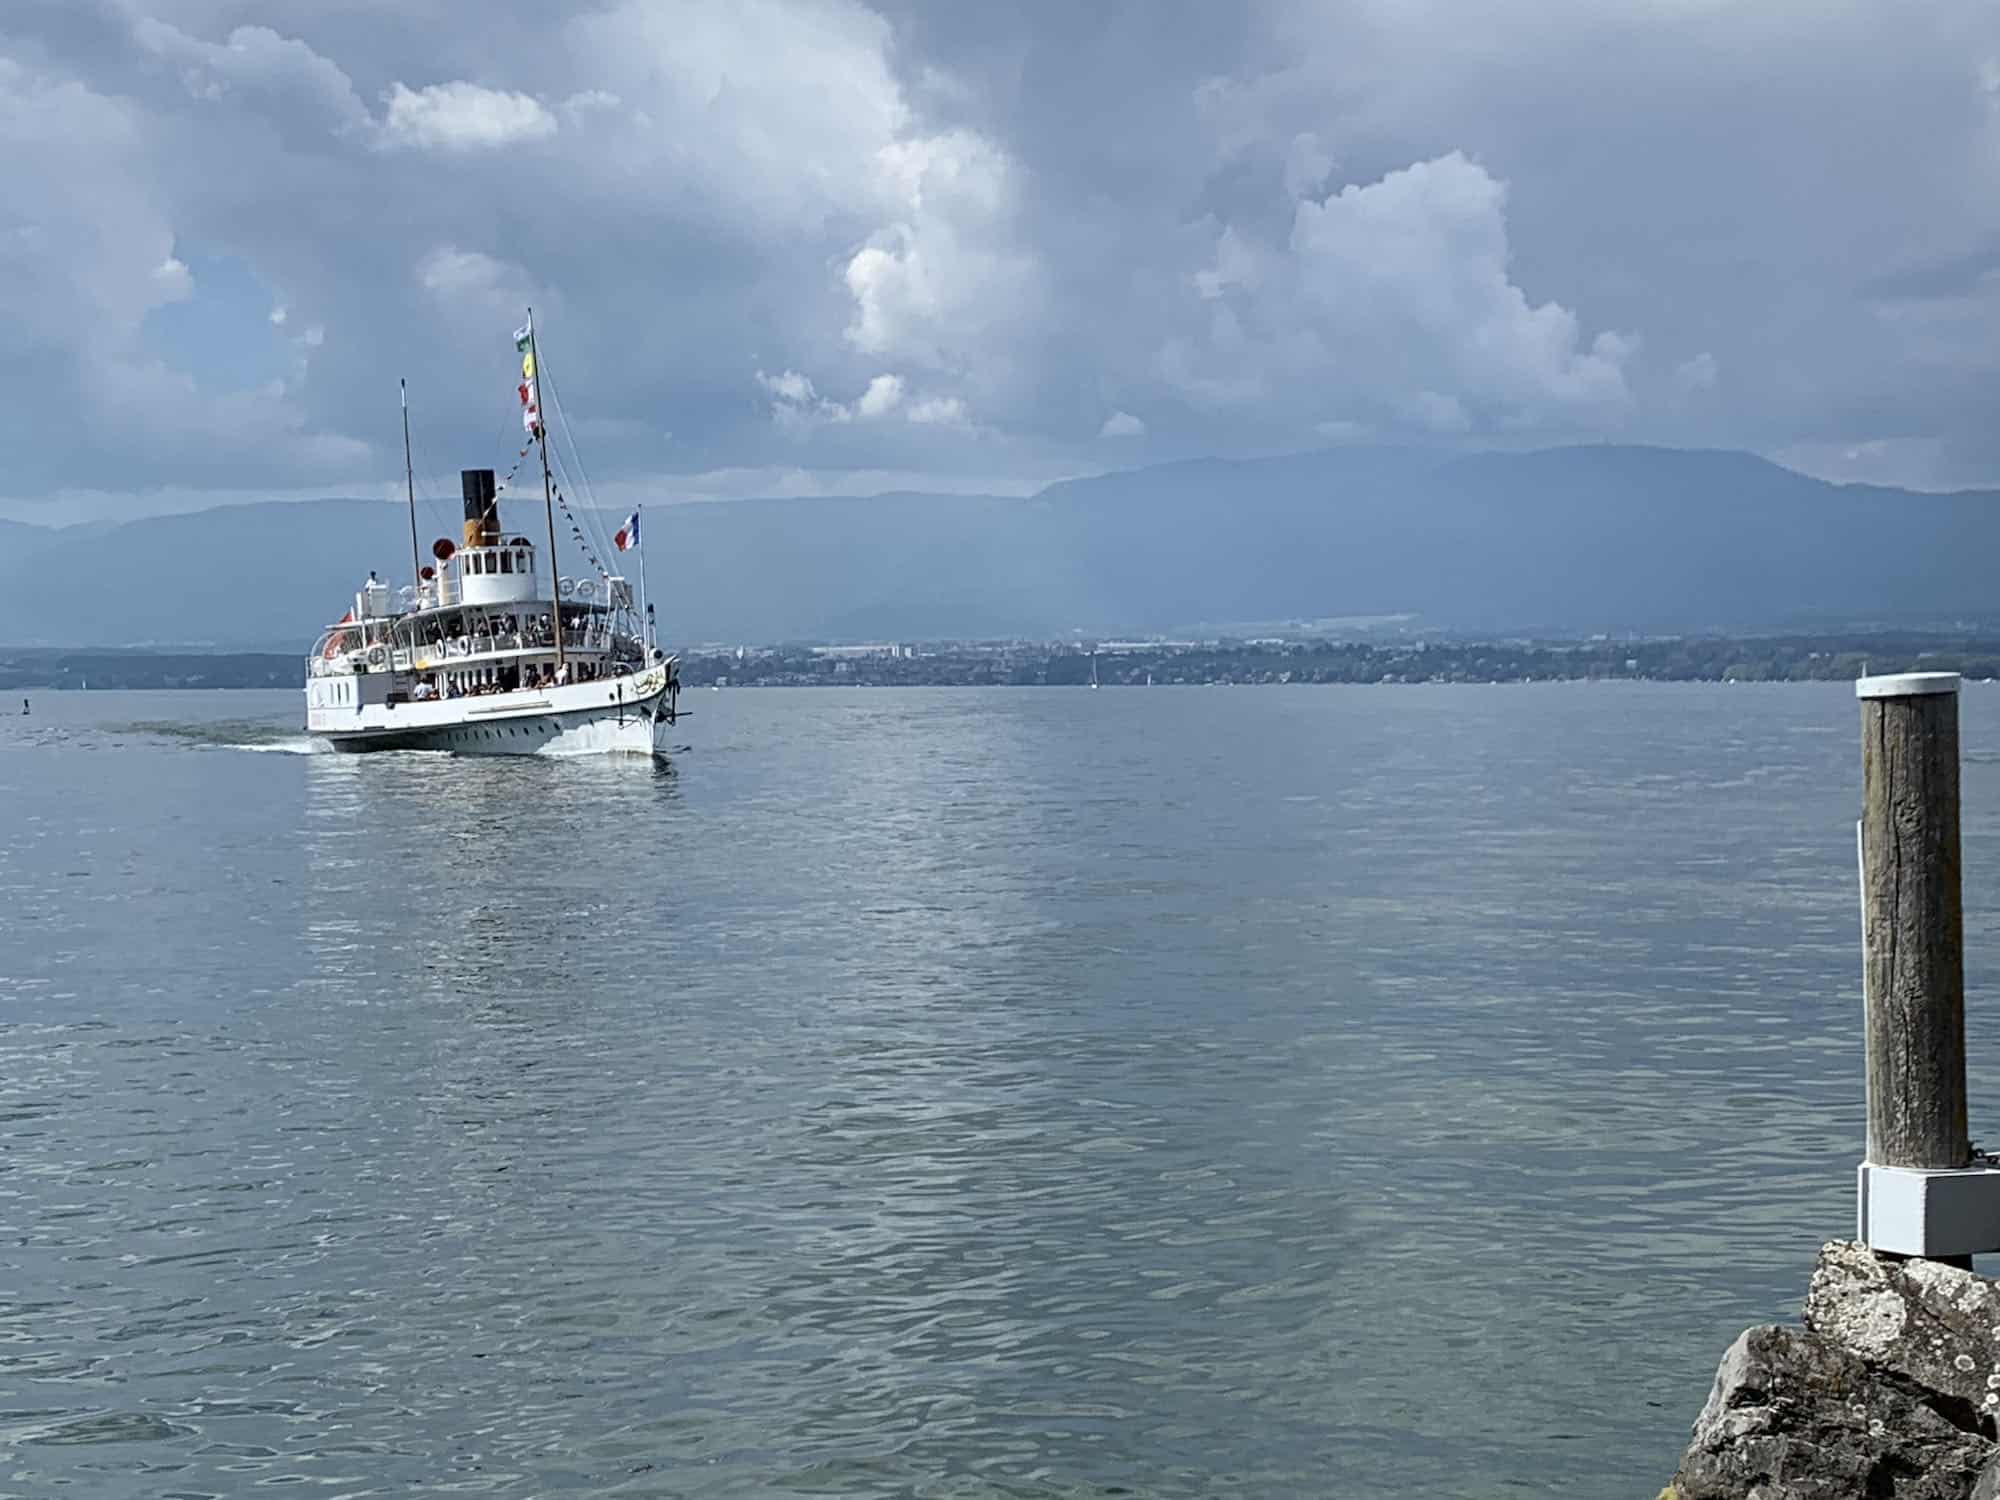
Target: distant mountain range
<point x="1566" y="541"/>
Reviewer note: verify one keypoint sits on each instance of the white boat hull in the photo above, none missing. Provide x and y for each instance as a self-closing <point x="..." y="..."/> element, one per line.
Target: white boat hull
<point x="623" y="715"/>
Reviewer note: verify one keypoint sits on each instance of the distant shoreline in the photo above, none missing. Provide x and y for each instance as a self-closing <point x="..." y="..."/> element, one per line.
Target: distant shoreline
<point x="1790" y="658"/>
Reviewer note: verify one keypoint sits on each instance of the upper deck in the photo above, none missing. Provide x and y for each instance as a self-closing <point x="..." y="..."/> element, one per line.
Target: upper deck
<point x="483" y="613"/>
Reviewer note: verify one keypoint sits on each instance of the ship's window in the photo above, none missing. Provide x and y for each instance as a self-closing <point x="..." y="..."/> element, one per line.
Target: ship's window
<point x="506" y="562"/>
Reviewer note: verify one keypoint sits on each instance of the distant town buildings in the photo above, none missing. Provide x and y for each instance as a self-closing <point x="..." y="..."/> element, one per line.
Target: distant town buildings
<point x="856" y="653"/>
<point x="1278" y="660"/>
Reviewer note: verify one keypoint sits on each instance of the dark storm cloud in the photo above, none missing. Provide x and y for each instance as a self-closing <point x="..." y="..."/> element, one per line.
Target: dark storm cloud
<point x="809" y="244"/>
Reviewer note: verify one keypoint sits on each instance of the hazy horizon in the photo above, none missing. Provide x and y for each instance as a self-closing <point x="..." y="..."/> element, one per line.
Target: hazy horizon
<point x="432" y="495"/>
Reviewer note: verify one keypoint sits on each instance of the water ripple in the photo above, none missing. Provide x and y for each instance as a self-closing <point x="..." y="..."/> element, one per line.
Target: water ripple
<point x="1364" y="1093"/>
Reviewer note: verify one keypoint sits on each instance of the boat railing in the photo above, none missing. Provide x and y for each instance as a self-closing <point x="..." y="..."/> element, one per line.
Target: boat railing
<point x="465" y="647"/>
<point x="449" y="650"/>
<point x="483" y="645"/>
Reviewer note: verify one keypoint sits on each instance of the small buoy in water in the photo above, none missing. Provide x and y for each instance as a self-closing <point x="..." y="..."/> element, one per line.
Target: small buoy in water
<point x="24" y="705"/>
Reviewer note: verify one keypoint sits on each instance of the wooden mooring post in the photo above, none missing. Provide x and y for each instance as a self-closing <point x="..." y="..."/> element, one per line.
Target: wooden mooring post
<point x="1920" y="1191"/>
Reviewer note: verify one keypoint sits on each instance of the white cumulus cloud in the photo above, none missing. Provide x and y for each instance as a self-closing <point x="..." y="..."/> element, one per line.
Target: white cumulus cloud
<point x="1122" y="424"/>
<point x="884" y="395"/>
<point x="462" y="116"/>
<point x="789" y="385"/>
<point x="799" y="406"/>
<point x="1393" y="302"/>
<point x="1422" y="254"/>
<point x="796" y="403"/>
<point x="944" y="273"/>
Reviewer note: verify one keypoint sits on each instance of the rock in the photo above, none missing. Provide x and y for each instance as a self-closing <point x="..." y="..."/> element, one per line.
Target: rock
<point x="1892" y="1389"/>
<point x="1933" y="1323"/>
<point x="1793" y="1416"/>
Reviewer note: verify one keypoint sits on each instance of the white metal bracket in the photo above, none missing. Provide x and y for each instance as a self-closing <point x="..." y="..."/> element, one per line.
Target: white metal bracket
<point x="1912" y="1211"/>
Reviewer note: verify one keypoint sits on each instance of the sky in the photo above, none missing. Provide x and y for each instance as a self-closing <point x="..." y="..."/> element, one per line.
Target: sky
<point x="827" y="247"/>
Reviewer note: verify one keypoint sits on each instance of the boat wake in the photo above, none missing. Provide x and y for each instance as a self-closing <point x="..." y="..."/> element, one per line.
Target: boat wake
<point x="298" y="744"/>
<point x="235" y="734"/>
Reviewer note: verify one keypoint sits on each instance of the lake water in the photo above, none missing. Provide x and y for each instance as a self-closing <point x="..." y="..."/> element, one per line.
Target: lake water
<point x="1195" y="1092"/>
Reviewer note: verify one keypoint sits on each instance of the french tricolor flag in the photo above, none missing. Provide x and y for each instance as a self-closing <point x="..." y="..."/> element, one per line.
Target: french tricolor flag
<point x="628" y="534"/>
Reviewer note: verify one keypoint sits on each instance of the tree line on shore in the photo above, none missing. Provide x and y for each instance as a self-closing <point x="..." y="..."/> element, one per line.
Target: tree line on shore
<point x="1792" y="658"/>
<point x="1685" y="659"/>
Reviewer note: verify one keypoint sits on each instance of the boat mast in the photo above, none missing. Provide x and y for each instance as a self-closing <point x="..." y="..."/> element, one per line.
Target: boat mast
<point x="645" y="619"/>
<point x="548" y="492"/>
<point x="410" y="483"/>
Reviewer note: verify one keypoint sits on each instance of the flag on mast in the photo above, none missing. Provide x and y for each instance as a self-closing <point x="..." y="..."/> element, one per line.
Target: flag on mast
<point x="627" y="539"/>
<point x="530" y="388"/>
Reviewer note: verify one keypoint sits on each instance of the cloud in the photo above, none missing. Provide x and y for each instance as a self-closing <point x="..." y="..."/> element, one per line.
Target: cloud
<point x="1394" y="298"/>
<point x="462" y="117"/>
<point x="1917" y="462"/>
<point x="477" y="299"/>
<point x="790" y="387"/>
<point x="257" y="64"/>
<point x="1263" y="226"/>
<point x="1697" y="373"/>
<point x="1966" y="274"/>
<point x="940" y="411"/>
<point x="933" y="283"/>
<point x="884" y="395"/>
<point x="1122" y="424"/>
<point x="797" y="405"/>
<point x="1436" y="412"/>
<point x="1307" y="166"/>
<point x="175" y="280"/>
<point x="91" y="251"/>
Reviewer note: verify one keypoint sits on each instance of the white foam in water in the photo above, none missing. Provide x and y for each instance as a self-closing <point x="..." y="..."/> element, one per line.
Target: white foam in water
<point x="303" y="744"/>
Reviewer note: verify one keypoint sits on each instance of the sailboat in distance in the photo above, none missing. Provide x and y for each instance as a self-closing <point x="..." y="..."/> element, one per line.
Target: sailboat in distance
<point x="490" y="651"/>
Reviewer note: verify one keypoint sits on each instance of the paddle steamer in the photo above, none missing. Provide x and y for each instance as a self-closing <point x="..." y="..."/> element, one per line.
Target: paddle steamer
<point x="490" y="651"/>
